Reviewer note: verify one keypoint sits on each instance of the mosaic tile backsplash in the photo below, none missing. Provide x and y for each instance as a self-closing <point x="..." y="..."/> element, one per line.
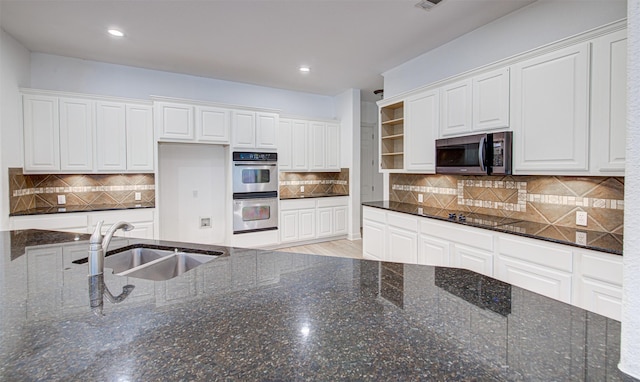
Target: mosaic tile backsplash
<point x="315" y="183"/>
<point x="35" y="191"/>
<point x="543" y="199"/>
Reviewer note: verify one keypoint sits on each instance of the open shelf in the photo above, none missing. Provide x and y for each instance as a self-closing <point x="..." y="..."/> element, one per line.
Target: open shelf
<point x="392" y="136"/>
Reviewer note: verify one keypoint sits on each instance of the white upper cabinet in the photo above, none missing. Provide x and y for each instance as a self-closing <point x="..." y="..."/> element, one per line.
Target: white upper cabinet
<point x="421" y="130"/>
<point x="111" y="132"/>
<point x="255" y="130"/>
<point x="550" y="106"/>
<point x="491" y="100"/>
<point x="317" y="146"/>
<point x="76" y="134"/>
<point x="284" y="144"/>
<point x="456" y="113"/>
<point x="212" y="124"/>
<point x="140" y="144"/>
<point x="307" y="145"/>
<point x="174" y="121"/>
<point x="332" y="147"/>
<point x="41" y="133"/>
<point x="299" y="151"/>
<point x="609" y="103"/>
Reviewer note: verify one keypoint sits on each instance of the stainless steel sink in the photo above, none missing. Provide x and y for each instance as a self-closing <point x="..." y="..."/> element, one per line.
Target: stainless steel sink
<point x="168" y="267"/>
<point x="155" y="264"/>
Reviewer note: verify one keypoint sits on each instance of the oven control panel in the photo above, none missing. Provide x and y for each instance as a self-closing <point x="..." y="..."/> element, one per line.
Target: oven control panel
<point x="258" y="157"/>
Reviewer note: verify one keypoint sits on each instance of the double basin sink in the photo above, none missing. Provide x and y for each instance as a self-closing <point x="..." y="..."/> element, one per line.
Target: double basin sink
<point x="155" y="264"/>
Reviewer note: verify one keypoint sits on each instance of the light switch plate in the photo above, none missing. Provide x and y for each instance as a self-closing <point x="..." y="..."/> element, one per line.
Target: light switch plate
<point x="301" y="188"/>
<point x="581" y="218"/>
<point x="420" y="198"/>
<point x="62" y="199"/>
<point x="138" y="196"/>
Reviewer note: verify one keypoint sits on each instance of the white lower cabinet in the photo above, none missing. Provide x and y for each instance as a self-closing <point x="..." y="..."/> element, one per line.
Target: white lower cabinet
<point x="589" y="279"/>
<point x="310" y="219"/>
<point x="473" y="259"/>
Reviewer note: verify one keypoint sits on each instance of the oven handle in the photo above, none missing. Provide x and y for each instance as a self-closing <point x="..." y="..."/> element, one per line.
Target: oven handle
<point x="255" y="165"/>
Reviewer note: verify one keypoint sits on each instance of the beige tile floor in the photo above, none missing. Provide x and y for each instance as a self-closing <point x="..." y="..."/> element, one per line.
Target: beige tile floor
<point x="339" y="248"/>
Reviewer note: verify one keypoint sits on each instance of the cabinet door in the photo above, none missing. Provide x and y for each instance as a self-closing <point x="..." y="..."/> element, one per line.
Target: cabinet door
<point x="325" y="221"/>
<point x="402" y="246"/>
<point x="332" y="147"/>
<point x="340" y="220"/>
<point x="421" y="129"/>
<point x="317" y="146"/>
<point x="41" y="133"/>
<point x="244" y="129"/>
<point x="299" y="151"/>
<point x="213" y="124"/>
<point x="433" y="251"/>
<point x="267" y="131"/>
<point x="288" y="226"/>
<point x="473" y="259"/>
<point x="140" y="141"/>
<point x="609" y="103"/>
<point x="491" y="100"/>
<point x="284" y="145"/>
<point x="550" y="106"/>
<point x="307" y="228"/>
<point x="174" y="121"/>
<point x="537" y="278"/>
<point x="456" y="114"/>
<point x="44" y="267"/>
<point x="76" y="134"/>
<point x="373" y="240"/>
<point x="111" y="136"/>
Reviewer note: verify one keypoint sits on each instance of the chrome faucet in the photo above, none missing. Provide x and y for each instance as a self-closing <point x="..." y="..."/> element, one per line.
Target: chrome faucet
<point x="98" y="246"/>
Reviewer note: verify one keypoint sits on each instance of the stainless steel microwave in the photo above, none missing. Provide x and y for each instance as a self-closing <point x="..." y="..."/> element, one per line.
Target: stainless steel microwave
<point x="479" y="154"/>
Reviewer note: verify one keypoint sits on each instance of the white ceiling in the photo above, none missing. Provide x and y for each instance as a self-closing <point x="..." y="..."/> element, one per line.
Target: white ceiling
<point x="347" y="43"/>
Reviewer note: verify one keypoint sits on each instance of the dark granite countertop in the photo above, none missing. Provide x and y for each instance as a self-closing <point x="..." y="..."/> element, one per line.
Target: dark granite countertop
<point x="92" y="208"/>
<point x="310" y="196"/>
<point x="595" y="240"/>
<point x="252" y="315"/>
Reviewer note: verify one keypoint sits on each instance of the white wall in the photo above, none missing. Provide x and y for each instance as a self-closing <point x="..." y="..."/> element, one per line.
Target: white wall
<point x="191" y="185"/>
<point x="540" y="23"/>
<point x="83" y="76"/>
<point x="348" y="111"/>
<point x="14" y="73"/>
<point x="630" y="341"/>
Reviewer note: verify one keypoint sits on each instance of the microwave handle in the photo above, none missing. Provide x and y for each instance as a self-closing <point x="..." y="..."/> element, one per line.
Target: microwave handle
<point x="481" y="153"/>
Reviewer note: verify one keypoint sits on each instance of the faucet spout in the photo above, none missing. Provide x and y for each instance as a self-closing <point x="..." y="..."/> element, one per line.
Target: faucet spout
<point x="99" y="244"/>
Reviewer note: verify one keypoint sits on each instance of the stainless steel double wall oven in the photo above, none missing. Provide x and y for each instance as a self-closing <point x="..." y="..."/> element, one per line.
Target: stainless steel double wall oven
<point x="255" y="192"/>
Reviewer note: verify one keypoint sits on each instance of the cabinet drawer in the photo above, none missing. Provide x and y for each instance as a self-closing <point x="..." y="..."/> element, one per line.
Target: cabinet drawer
<point x="470" y="236"/>
<point x="532" y="251"/>
<point x="403" y="221"/>
<point x="335" y="201"/>
<point x="603" y="267"/>
<point x="288" y="205"/>
<point x="548" y="282"/>
<point x="374" y="214"/>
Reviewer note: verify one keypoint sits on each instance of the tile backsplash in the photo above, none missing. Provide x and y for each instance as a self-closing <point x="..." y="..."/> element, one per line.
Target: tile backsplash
<point x="41" y="191"/>
<point x="543" y="199"/>
<point x="314" y="183"/>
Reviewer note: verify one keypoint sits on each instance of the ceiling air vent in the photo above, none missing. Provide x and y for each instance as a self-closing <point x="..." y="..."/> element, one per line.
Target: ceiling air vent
<point x="428" y="4"/>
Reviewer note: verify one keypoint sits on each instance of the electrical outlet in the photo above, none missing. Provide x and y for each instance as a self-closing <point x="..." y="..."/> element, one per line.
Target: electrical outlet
<point x="420" y="198"/>
<point x="62" y="199"/>
<point x="301" y="188"/>
<point x="420" y="211"/>
<point x="205" y="222"/>
<point x="137" y="196"/>
<point x="581" y="218"/>
<point x="581" y="238"/>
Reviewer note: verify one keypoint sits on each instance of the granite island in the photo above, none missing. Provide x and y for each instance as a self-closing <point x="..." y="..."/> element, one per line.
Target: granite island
<point x="264" y="315"/>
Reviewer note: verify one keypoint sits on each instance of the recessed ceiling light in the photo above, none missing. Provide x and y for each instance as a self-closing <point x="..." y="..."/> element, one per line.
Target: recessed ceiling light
<point x="305" y="69"/>
<point x="115" y="32"/>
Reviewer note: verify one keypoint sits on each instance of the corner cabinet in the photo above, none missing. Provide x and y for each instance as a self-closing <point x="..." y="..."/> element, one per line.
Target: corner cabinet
<point x="392" y="136"/>
<point x="421" y="129"/>
<point x="550" y="106"/>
